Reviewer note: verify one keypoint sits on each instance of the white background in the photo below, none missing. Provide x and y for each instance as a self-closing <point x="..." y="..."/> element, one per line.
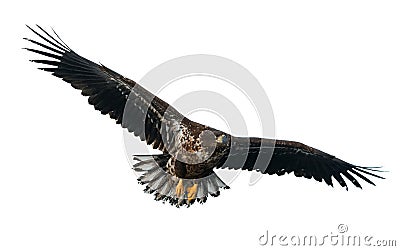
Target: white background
<point x="331" y="71"/>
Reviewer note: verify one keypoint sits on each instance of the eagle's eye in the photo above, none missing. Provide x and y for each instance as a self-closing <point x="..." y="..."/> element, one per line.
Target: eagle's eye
<point x="222" y="139"/>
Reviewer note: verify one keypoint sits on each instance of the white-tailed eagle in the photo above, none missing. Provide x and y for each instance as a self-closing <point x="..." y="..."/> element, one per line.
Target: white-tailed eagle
<point x="184" y="171"/>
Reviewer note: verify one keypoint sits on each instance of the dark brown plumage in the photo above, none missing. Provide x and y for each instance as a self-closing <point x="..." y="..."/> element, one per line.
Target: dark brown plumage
<point x="190" y="151"/>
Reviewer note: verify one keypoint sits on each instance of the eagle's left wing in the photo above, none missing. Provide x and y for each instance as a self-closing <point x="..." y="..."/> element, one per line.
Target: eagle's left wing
<point x="300" y="159"/>
<point x="124" y="100"/>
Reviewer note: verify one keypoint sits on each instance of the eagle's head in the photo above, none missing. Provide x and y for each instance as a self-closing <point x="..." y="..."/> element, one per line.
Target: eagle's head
<point x="214" y="139"/>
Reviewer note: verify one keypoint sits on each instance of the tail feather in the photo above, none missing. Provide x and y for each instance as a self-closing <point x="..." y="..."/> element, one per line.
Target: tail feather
<point x="152" y="173"/>
<point x="202" y="190"/>
<point x="212" y="187"/>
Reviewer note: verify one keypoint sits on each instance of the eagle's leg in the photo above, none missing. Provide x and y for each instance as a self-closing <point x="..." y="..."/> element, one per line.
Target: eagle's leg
<point x="179" y="190"/>
<point x="192" y="192"/>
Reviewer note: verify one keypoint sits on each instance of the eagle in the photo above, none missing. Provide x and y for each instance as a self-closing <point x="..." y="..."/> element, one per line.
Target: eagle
<point x="184" y="171"/>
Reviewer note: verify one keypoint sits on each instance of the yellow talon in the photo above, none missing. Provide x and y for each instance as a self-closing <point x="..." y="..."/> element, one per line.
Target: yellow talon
<point x="179" y="188"/>
<point x="191" y="192"/>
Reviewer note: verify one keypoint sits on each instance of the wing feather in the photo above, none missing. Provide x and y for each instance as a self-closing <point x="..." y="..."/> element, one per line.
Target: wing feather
<point x="109" y="92"/>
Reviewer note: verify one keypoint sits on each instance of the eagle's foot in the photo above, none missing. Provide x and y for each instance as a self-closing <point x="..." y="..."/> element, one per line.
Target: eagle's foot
<point x="192" y="192"/>
<point x="179" y="190"/>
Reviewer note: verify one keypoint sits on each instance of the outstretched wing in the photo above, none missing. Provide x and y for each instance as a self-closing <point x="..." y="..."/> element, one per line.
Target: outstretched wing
<point x="303" y="161"/>
<point x="124" y="100"/>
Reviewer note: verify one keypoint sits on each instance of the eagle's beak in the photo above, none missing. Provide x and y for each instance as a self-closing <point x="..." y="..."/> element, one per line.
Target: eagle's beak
<point x="220" y="139"/>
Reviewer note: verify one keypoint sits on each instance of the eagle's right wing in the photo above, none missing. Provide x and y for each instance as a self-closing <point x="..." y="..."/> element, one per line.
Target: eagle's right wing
<point x="124" y="100"/>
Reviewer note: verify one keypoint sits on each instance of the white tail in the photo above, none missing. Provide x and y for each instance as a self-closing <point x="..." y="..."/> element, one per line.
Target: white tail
<point x="153" y="174"/>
